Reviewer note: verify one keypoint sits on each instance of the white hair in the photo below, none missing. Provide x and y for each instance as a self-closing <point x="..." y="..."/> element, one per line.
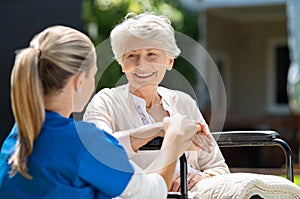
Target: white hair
<point x="146" y="30"/>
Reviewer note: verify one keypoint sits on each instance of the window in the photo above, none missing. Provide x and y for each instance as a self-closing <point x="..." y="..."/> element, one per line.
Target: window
<point x="279" y="62"/>
<point x="282" y="66"/>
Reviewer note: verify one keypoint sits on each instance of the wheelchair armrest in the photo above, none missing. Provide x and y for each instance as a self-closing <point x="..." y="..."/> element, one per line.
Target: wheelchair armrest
<point x="228" y="138"/>
<point x="243" y="137"/>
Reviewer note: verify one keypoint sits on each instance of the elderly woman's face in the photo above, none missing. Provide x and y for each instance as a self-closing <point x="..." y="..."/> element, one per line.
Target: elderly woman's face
<point x="146" y="66"/>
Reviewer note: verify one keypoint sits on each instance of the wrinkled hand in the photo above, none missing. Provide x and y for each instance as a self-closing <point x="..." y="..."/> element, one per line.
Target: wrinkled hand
<point x="192" y="179"/>
<point x="180" y="126"/>
<point x="178" y="137"/>
<point x="203" y="140"/>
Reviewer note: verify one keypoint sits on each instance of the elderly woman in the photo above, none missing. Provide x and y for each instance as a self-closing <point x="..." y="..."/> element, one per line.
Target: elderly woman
<point x="145" y="47"/>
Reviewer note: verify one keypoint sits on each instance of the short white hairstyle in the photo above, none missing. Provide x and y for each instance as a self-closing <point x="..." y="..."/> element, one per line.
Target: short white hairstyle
<point x="145" y="30"/>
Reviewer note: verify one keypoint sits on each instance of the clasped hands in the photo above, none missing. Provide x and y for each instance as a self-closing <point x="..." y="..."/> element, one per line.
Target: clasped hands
<point x="196" y="133"/>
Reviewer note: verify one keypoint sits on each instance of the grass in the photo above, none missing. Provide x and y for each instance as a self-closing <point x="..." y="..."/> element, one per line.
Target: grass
<point x="297" y="180"/>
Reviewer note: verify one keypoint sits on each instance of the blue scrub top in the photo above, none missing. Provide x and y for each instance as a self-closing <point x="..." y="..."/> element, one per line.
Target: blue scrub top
<point x="70" y="159"/>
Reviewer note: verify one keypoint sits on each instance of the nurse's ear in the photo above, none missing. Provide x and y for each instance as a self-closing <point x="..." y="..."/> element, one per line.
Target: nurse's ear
<point x="78" y="81"/>
<point x="171" y="63"/>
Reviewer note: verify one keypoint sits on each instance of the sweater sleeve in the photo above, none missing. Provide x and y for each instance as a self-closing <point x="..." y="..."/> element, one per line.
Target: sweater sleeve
<point x="99" y="112"/>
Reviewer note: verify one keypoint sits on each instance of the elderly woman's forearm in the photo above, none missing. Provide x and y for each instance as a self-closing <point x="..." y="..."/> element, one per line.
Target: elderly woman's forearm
<point x="140" y="136"/>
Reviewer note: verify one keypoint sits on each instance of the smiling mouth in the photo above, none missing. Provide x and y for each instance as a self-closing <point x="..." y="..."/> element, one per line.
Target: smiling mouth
<point x="144" y="75"/>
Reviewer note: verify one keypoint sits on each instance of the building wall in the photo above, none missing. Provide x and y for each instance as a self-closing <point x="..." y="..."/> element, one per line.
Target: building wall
<point x="246" y="46"/>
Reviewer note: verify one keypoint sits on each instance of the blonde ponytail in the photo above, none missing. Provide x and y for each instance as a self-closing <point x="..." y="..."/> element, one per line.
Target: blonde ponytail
<point x="27" y="106"/>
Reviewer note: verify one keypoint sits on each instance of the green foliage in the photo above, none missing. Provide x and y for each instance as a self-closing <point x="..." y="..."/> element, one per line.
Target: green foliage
<point x="100" y="16"/>
<point x="110" y="76"/>
<point x="297" y="180"/>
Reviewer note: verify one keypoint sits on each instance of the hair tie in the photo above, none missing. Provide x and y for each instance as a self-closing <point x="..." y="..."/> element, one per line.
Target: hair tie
<point x="38" y="50"/>
<point x="39" y="53"/>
